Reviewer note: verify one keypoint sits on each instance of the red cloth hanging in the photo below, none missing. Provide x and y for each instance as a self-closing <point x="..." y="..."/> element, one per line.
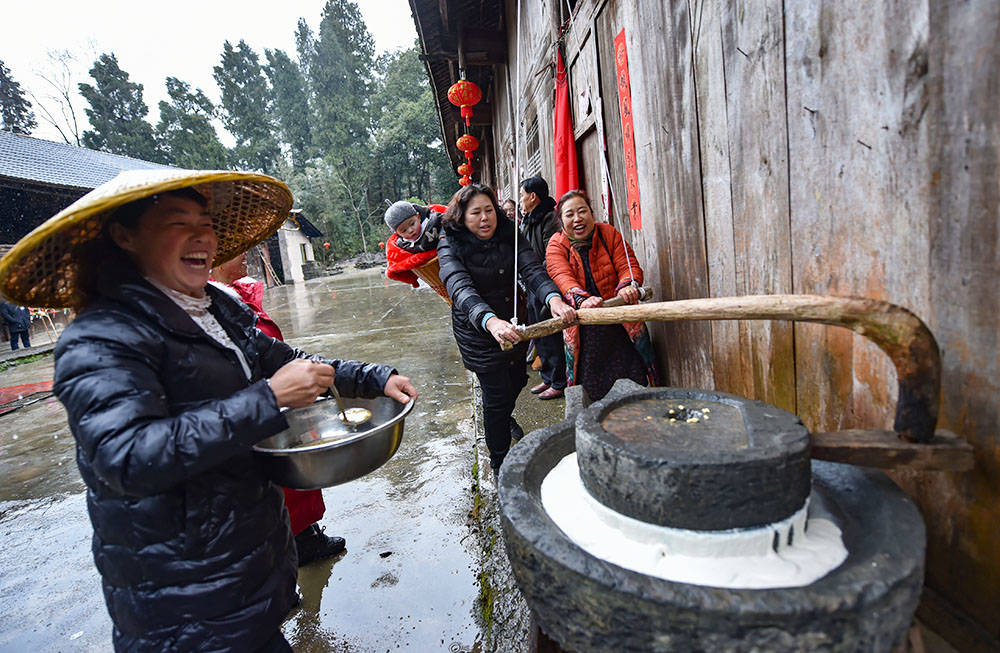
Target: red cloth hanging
<point x="567" y="177"/>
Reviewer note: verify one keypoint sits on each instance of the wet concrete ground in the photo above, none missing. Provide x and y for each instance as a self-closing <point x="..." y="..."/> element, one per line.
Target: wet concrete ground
<point x="408" y="579"/>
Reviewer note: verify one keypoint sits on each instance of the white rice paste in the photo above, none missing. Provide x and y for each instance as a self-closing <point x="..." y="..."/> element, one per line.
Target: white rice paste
<point x="736" y="559"/>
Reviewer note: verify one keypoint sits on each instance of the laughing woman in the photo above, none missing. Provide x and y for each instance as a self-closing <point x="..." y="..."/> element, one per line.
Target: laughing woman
<point x="167" y="385"/>
<point x="478" y="267"/>
<point x="591" y="262"/>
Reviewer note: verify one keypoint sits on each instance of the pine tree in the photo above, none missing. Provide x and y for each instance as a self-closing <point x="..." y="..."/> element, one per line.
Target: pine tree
<point x="291" y="103"/>
<point x="117" y="113"/>
<point x="246" y="108"/>
<point x="15" y="109"/>
<point x="408" y="151"/>
<point x="185" y="131"/>
<point x="340" y="72"/>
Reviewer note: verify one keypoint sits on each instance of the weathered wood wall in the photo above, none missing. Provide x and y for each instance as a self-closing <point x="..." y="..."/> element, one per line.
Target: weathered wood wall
<point x="824" y="147"/>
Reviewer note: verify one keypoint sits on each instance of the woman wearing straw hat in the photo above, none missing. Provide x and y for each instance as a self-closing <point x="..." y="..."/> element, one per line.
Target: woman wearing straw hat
<point x="167" y="385"/>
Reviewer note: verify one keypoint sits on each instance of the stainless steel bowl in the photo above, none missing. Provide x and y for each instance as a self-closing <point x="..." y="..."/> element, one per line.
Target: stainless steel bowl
<point x="318" y="450"/>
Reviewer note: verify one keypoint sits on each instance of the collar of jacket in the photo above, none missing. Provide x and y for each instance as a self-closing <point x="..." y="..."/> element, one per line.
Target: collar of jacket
<point x="124" y="285"/>
<point x="540" y="212"/>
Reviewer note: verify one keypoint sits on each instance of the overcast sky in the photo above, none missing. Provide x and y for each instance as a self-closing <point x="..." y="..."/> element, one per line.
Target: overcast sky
<point x="180" y="38"/>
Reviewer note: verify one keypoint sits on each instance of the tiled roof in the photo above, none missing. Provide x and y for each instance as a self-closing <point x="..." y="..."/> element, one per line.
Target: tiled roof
<point x="58" y="164"/>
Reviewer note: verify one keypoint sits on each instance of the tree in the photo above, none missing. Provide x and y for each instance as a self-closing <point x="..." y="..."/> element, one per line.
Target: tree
<point x="340" y="73"/>
<point x="15" y="109"/>
<point x="246" y="108"/>
<point x="117" y="113"/>
<point x="408" y="151"/>
<point x="291" y="103"/>
<point x="185" y="132"/>
<point x="58" y="76"/>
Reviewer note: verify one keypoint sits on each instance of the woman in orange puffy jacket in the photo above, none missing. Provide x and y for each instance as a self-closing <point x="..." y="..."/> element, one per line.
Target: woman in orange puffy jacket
<point x="591" y="262"/>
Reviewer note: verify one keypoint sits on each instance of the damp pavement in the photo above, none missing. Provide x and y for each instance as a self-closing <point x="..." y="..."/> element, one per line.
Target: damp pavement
<point x="409" y="577"/>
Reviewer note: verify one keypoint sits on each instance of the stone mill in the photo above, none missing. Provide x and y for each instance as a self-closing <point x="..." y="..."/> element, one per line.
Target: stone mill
<point x="674" y="519"/>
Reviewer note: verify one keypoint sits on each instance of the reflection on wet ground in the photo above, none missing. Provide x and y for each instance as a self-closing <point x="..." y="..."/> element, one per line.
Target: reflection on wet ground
<point x="407" y="577"/>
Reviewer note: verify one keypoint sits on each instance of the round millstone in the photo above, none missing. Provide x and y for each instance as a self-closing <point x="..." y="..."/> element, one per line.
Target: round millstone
<point x="588" y="604"/>
<point x="693" y="459"/>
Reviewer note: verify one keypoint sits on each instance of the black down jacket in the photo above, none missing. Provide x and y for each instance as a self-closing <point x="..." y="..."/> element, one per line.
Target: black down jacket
<point x="539" y="226"/>
<point x="191" y="540"/>
<point x="479" y="275"/>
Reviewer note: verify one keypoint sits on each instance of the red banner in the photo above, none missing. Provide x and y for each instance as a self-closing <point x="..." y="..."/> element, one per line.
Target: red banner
<point x="565" y="144"/>
<point x="628" y="135"/>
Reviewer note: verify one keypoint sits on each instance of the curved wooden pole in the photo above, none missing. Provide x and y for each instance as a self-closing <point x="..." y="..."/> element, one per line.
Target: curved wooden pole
<point x="898" y="332"/>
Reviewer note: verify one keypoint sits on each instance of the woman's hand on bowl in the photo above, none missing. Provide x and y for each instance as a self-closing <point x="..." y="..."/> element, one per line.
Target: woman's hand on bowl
<point x="503" y="331"/>
<point x="298" y="383"/>
<point x="399" y="388"/>
<point x="562" y="310"/>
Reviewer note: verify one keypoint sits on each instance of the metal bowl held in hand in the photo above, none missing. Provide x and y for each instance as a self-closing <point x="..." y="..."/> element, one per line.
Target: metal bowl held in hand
<point x="318" y="449"/>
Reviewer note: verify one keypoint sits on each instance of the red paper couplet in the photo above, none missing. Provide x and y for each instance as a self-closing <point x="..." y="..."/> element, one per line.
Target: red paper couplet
<point x="628" y="135"/>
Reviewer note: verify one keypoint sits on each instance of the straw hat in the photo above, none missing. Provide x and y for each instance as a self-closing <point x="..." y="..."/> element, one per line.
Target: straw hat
<point x="41" y="269"/>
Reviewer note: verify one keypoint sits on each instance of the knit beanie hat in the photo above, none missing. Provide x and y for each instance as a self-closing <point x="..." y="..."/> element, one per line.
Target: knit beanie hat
<point x="396" y="214"/>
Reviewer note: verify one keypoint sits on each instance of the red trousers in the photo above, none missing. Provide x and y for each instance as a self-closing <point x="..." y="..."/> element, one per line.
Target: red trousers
<point x="304" y="507"/>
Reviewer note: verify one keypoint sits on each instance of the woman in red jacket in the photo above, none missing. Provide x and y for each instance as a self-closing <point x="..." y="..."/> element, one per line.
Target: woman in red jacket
<point x="591" y="262"/>
<point x="305" y="507"/>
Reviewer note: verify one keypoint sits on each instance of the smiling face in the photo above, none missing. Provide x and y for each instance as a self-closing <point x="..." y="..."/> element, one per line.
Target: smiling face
<point x="481" y="216"/>
<point x="577" y="218"/>
<point x="409" y="229"/>
<point x="173" y="243"/>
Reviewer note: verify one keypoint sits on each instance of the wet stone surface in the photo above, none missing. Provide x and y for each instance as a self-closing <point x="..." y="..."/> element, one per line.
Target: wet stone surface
<point x="408" y="579"/>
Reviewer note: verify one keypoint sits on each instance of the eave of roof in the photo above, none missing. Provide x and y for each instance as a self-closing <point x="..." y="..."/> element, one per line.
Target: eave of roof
<point x="24" y="158"/>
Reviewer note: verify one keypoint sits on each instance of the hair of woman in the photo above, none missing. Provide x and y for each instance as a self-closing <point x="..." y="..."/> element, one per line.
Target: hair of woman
<point x="454" y="217"/>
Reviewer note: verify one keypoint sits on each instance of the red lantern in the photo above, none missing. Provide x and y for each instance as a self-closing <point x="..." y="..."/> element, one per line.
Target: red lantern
<point x="466" y="169"/>
<point x="467" y="143"/>
<point x="465" y="94"/>
<point x="465" y="181"/>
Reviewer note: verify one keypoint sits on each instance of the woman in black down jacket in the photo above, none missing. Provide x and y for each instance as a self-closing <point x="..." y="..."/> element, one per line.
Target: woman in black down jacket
<point x="167" y="385"/>
<point x="476" y="257"/>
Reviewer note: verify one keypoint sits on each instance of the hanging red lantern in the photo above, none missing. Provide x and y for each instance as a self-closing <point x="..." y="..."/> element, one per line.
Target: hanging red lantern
<point x="465" y="94"/>
<point x="465" y="181"/>
<point x="466" y="169"/>
<point x="467" y="143"/>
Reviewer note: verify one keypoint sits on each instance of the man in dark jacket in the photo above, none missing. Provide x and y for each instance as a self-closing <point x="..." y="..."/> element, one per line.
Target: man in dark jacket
<point x="18" y="320"/>
<point x="538" y="225"/>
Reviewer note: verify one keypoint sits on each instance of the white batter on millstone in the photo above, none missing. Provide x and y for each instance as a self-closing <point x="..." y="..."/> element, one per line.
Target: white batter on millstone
<point x="791" y="553"/>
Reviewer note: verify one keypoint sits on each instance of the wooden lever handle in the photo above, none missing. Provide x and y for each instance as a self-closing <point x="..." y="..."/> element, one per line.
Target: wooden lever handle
<point x="898" y="332"/>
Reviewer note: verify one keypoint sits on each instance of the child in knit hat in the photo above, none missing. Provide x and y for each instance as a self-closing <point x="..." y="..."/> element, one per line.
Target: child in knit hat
<point x="417" y="227"/>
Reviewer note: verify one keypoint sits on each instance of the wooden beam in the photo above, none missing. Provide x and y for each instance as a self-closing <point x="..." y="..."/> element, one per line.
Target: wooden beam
<point x="885" y="450"/>
<point x="896" y="331"/>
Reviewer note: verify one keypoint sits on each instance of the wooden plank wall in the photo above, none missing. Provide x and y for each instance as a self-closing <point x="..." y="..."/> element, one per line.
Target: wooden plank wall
<point x="816" y="147"/>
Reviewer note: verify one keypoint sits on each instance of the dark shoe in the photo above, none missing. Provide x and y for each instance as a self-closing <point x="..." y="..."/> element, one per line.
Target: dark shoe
<point x="540" y="388"/>
<point x="551" y="393"/>
<point x="312" y="544"/>
<point x="516" y="432"/>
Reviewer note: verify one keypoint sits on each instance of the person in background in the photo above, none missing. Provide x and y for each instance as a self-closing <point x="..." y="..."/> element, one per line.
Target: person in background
<point x="539" y="223"/>
<point x="477" y="261"/>
<point x="417" y="227"/>
<point x="18" y="319"/>
<point x="167" y="386"/>
<point x="591" y="262"/>
<point x="510" y="209"/>
<point x="305" y="507"/>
